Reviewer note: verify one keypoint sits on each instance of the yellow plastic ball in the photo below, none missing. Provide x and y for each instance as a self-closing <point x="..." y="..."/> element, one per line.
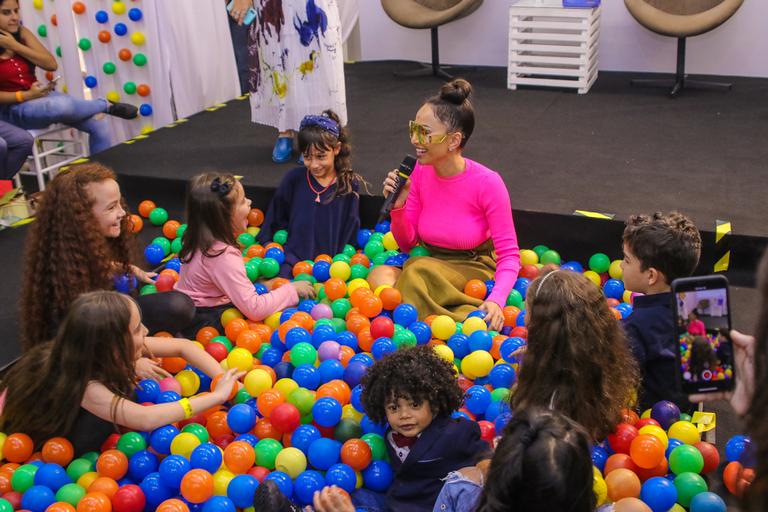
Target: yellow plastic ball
<point x="230" y="314"/>
<point x="380" y="288"/>
<point x="199" y="345"/>
<point x="241" y="359"/>
<point x="445" y="352"/>
<point x="253" y="230"/>
<point x="291" y="461"/>
<point x="473" y="324"/>
<point x="37" y="4"/>
<point x="348" y="412"/>
<point x="184" y="443"/>
<point x="599" y="487"/>
<point x="273" y="320"/>
<point x="615" y="269"/>
<point x="443" y="327"/>
<point x="86" y="479"/>
<point x="221" y="480"/>
<point x="676" y="508"/>
<point x="528" y="257"/>
<point x="3" y="437"/>
<point x="358" y="480"/>
<point x="257" y="381"/>
<point x="627" y="297"/>
<point x="147" y="129"/>
<point x="389" y="242"/>
<point x="657" y="432"/>
<point x="224" y="365"/>
<point x="189" y="382"/>
<point x="593" y="276"/>
<point x="286" y="386"/>
<point x="118" y="7"/>
<point x="340" y="269"/>
<point x="477" y="364"/>
<point x="113" y="96"/>
<point x="685" y="431"/>
<point x="355" y="284"/>
<point x="138" y="38"/>
<point x="646" y="414"/>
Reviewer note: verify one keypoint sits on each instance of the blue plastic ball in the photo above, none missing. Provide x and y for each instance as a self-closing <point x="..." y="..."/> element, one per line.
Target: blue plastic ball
<point x="509" y="347"/>
<point x="347" y="339"/>
<point x="477" y="399"/>
<point x="480" y="340"/>
<point x="383" y="227"/>
<point x="405" y="314"/>
<point x="613" y="289"/>
<point x="502" y="376"/>
<point x="145" y="109"/>
<point x="173" y="264"/>
<point x="297" y="335"/>
<point x="459" y="343"/>
<point x="735" y="447"/>
<point x="306" y="484"/>
<point x="160" y="439"/>
<point x="659" y="494"/>
<point x="324" y="453"/>
<point x="155" y="491"/>
<point x="52" y="476"/>
<point x="326" y="412"/>
<point x="102" y="17"/>
<point x="282" y="480"/>
<point x="363" y="236"/>
<point x="422" y="331"/>
<point x="154" y="254"/>
<point x="331" y="369"/>
<point x="276" y="254"/>
<point x="342" y="476"/>
<point x="322" y="333"/>
<point x="91" y="81"/>
<point x="362" y="358"/>
<point x="121" y="29"/>
<point x="125" y="283"/>
<point x="625" y="309"/>
<point x="271" y="356"/>
<point x="707" y="502"/>
<point x="172" y="470"/>
<point x="489" y="284"/>
<point x="248" y="438"/>
<point x="521" y="285"/>
<point x="141" y="464"/>
<point x="168" y="397"/>
<point x="321" y="271"/>
<point x="260" y="288"/>
<point x="599" y="457"/>
<point x="495" y="409"/>
<point x="37" y="498"/>
<point x="382" y="347"/>
<point x="354" y="373"/>
<point x="307" y="376"/>
<point x="501" y="421"/>
<point x="671" y="445"/>
<point x="370" y="427"/>
<point x="357" y="398"/>
<point x="573" y="266"/>
<point x="378" y="476"/>
<point x="241" y="490"/>
<point x="303" y="436"/>
<point x="147" y="391"/>
<point x="306" y="305"/>
<point x="206" y="456"/>
<point x="135" y="14"/>
<point x="283" y="370"/>
<point x="219" y="504"/>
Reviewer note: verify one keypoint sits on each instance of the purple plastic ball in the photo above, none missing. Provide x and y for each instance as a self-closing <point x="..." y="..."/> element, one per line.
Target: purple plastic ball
<point x="321" y="311"/>
<point x="329" y="350"/>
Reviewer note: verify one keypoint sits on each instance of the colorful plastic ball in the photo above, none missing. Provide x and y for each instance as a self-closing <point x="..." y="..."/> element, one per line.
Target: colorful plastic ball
<point x="686" y="459"/>
<point x="91" y="81"/>
<point x="118" y="7"/>
<point x="57" y="450"/>
<point x="109" y="68"/>
<point x="131" y="443"/>
<point x="172" y="469"/>
<point x="707" y="502"/>
<point x="665" y="412"/>
<point x="124" y="54"/>
<point x="378" y="476"/>
<point x="84" y="44"/>
<point x="113" y="464"/>
<point x="735" y="447"/>
<point x="443" y="327"/>
<point x="207" y="456"/>
<point x="184" y="443"/>
<point x="128" y="498"/>
<point x="197" y="486"/>
<point x="145" y="109"/>
<point x="155" y="491"/>
<point x="303" y="437"/>
<point x="613" y="289"/>
<point x="599" y="263"/>
<point x="286" y="418"/>
<point x="323" y="453"/>
<point x="51" y="476"/>
<point x="158" y="216"/>
<point x="42" y="31"/>
<point x="219" y="504"/>
<point x="104" y="36"/>
<point x="710" y="455"/>
<point x="550" y="257"/>
<point x="143" y="90"/>
<point x="129" y="87"/>
<point x="341" y="475"/>
<point x="113" y="96"/>
<point x="688" y="485"/>
<point x="306" y="484"/>
<point x="135" y="14"/>
<point x="160" y="439"/>
<point x="647" y="451"/>
<point x="477" y="364"/>
<point x="326" y="412"/>
<point x="241" y="490"/>
<point x="266" y="452"/>
<point x="685" y="432"/>
<point x="141" y="464"/>
<point x="291" y="461"/>
<point x="477" y="399"/>
<point x="140" y="60"/>
<point x="37" y="498"/>
<point x="102" y="17"/>
<point x="241" y="418"/>
<point x="622" y="483"/>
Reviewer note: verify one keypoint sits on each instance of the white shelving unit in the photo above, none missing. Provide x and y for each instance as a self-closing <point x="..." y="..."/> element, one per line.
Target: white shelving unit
<point x="552" y="46"/>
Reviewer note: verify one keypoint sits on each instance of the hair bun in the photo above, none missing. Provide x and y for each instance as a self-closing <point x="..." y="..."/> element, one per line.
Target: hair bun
<point x="457" y="91"/>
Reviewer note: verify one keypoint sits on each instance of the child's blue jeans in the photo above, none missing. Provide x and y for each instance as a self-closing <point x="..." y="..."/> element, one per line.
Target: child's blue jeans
<point x="62" y="108"/>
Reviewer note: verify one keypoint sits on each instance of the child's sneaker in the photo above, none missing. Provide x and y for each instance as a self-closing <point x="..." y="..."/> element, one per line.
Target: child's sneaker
<point x="123" y="110"/>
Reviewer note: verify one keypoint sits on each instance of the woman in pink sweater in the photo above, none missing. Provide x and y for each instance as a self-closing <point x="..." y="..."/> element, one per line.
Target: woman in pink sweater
<point x="213" y="274"/>
<point x="458" y="209"/>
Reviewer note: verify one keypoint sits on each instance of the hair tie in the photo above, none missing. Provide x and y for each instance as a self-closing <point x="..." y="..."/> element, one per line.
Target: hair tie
<point x="543" y="279"/>
<point x="324" y="122"/>
<point x="221" y="187"/>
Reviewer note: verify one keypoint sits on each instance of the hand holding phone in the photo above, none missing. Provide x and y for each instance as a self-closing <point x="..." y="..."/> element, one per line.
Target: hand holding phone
<point x="250" y="14"/>
<point x="705" y="352"/>
<point x="52" y="83"/>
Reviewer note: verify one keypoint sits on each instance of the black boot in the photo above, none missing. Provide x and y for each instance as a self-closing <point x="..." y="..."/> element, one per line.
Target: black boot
<point x="123" y="110"/>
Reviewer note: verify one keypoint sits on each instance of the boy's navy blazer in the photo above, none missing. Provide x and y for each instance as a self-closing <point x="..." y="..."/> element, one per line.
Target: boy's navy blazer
<point x="446" y="445"/>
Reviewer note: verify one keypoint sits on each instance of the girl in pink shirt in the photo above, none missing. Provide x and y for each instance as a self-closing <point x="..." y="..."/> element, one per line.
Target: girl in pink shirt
<point x="212" y="272"/>
<point x="457" y="208"/>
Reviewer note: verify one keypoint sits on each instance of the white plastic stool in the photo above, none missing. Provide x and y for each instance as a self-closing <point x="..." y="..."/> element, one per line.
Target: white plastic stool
<point x="65" y="143"/>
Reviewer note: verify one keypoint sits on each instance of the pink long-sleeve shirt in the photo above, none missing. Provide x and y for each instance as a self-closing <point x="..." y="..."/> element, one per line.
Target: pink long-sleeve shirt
<point x="217" y="280"/>
<point x="461" y="212"/>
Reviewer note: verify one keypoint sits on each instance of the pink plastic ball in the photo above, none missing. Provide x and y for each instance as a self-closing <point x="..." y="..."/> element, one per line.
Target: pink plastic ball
<point x="321" y="311"/>
<point x="170" y="384"/>
<point x="329" y="350"/>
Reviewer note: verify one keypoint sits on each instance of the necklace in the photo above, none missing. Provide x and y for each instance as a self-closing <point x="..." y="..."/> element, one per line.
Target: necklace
<point x="318" y="192"/>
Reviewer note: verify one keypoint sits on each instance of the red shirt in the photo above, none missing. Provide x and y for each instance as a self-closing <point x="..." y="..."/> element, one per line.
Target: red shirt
<point x="16" y="74"/>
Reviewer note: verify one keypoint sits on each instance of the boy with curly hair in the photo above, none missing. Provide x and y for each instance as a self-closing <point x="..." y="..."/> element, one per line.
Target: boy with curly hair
<point x="657" y="250"/>
<point x="416" y="391"/>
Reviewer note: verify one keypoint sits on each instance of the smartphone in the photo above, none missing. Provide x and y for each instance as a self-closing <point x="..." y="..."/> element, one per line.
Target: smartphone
<point x="249" y="16"/>
<point x="55" y="80"/>
<point x="702" y="313"/>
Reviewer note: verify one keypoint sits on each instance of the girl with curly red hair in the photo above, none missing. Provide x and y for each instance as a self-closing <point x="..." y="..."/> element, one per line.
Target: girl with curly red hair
<point x="80" y="241"/>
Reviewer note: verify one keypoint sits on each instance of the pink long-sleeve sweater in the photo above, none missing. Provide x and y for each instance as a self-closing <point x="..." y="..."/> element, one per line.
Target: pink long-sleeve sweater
<point x="461" y="212"/>
<point x="217" y="280"/>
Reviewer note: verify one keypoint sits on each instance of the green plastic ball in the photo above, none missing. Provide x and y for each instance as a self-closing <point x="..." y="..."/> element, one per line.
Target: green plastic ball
<point x="340" y="308"/>
<point x="550" y="257"/>
<point x="164" y="243"/>
<point x="515" y="299"/>
<point x="500" y="395"/>
<point x="323" y="321"/>
<point x="281" y="236"/>
<point x="378" y="237"/>
<point x="23" y="477"/>
<point x="347" y="429"/>
<point x="223" y="340"/>
<point x="377" y="444"/>
<point x="685" y="417"/>
<point x="379" y="259"/>
<point x="91" y="456"/>
<point x="176" y="245"/>
<point x="129" y="87"/>
<point x="70" y="493"/>
<point x="148" y="289"/>
<point x="419" y="250"/>
<point x="305" y="277"/>
<point x="198" y="430"/>
<point x="303" y="399"/>
<point x="130" y="443"/>
<point x="686" y="459"/>
<point x="260" y="353"/>
<point x="245" y="240"/>
<point x="342" y="257"/>
<point x="140" y="59"/>
<point x="539" y="250"/>
<point x="599" y="262"/>
<point x="373" y="248"/>
<point x="84" y="44"/>
<point x="339" y="324"/>
<point x="109" y="68"/>
<point x="252" y="270"/>
<point x="266" y="452"/>
<point x="349" y="250"/>
<point x="688" y="485"/>
<point x="242" y="396"/>
<point x="303" y="353"/>
<point x="359" y="271"/>
<point x="5" y="505"/>
<point x="78" y="468"/>
<point x="42" y="31"/>
<point x="58" y="51"/>
<point x="158" y="216"/>
<point x="269" y="267"/>
<point x="321" y="295"/>
<point x="404" y="339"/>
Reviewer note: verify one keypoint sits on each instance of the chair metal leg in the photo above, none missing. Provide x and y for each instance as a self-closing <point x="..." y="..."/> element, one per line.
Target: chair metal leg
<point x="433" y="68"/>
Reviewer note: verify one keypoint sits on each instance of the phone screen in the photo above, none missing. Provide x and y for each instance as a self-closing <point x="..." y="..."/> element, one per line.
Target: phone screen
<point x="703" y="324"/>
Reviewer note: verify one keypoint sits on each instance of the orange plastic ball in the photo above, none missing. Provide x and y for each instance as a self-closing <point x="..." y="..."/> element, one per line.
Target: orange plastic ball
<point x="54" y="21"/>
<point x="105" y="36"/>
<point x="346" y="355"/>
<point x="170" y="272"/>
<point x="169" y="229"/>
<point x="263" y="329"/>
<point x="510" y="315"/>
<point x="216" y="424"/>
<point x="629" y="416"/>
<point x="173" y="364"/>
<point x="371" y="306"/>
<point x="647" y="451"/>
<point x="327" y="391"/>
<point x="234" y="328"/>
<point x="78" y="7"/>
<point x="265" y="430"/>
<point x="356" y="454"/>
<point x="278" y="282"/>
<point x="172" y="505"/>
<point x="390" y="298"/>
<point x="335" y="288"/>
<point x="112" y="463"/>
<point x="304" y="319"/>
<point x="355" y="323"/>
<point x="18" y="448"/>
<point x="631" y="505"/>
<point x="360" y="259"/>
<point x="268" y="400"/>
<point x="365" y="339"/>
<point x="323" y="257"/>
<point x="255" y="251"/>
<point x="619" y="461"/>
<point x="622" y="483"/>
<point x="136" y="223"/>
<point x="197" y="485"/>
<point x="143" y="90"/>
<point x="104" y="485"/>
<point x="249" y="340"/>
<point x="358" y="295"/>
<point x="285" y="327"/>
<point x="255" y="217"/>
<point x="302" y="267"/>
<point x="94" y="502"/>
<point x="60" y="506"/>
<point x="124" y="54"/>
<point x="239" y="456"/>
<point x="145" y="207"/>
<point x="58" y="451"/>
<point x="475" y="288"/>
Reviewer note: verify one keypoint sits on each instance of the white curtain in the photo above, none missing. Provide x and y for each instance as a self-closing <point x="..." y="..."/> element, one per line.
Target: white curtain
<point x="349" y="11"/>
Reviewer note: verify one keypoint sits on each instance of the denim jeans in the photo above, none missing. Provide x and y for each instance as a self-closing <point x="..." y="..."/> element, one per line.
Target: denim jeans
<point x="62" y="108"/>
<point x="15" y="147"/>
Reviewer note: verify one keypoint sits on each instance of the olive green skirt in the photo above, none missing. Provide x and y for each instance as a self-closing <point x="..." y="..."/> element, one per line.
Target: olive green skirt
<point x="435" y="283"/>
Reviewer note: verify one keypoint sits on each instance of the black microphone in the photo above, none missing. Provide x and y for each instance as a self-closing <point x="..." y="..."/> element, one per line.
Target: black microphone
<point x="403" y="173"/>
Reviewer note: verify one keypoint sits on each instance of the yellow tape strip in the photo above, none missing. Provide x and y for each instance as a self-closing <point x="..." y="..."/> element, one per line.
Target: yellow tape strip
<point x="81" y="161"/>
<point x="704" y="421"/>
<point x="244" y="96"/>
<point x="722" y="228"/>
<point x="722" y="263"/>
<point x="594" y="215"/>
<point x="130" y="141"/>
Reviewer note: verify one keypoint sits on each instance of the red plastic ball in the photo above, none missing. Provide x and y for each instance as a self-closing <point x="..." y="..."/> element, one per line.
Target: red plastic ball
<point x="646" y="421"/>
<point x="382" y="327"/>
<point x="487" y="430"/>
<point x="519" y="332"/>
<point x="621" y="439"/>
<point x="259" y="473"/>
<point x="710" y="454"/>
<point x="529" y="272"/>
<point x="143" y="90"/>
<point x="165" y="283"/>
<point x="217" y="350"/>
<point x="129" y="498"/>
<point x="105" y="36"/>
<point x="125" y="54"/>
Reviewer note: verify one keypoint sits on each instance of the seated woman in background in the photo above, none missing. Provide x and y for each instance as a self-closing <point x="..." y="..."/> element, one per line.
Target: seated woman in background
<point x="27" y="103"/>
<point x="80" y="385"/>
<point x="82" y="241"/>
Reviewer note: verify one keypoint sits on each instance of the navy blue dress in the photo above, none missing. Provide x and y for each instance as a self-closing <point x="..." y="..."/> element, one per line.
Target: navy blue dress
<point x="314" y="228"/>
